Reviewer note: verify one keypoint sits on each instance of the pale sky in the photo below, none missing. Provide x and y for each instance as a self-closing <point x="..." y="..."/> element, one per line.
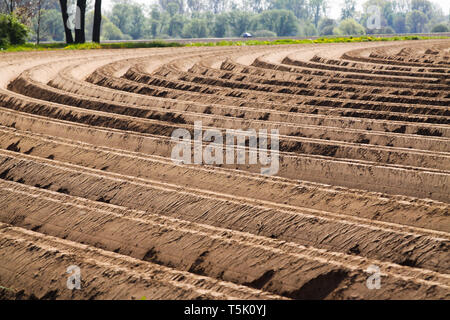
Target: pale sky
<point x="333" y="11"/>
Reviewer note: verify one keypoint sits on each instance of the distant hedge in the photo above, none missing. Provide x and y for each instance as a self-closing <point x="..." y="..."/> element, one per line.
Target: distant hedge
<point x="440" y="28"/>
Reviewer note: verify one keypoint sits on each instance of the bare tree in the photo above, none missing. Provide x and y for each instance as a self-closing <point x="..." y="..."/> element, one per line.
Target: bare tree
<point x="38" y="25"/>
<point x="5" y="6"/>
<point x="65" y="17"/>
<point x="10" y="6"/>
<point x="97" y="21"/>
<point x="80" y="35"/>
<point x="317" y="9"/>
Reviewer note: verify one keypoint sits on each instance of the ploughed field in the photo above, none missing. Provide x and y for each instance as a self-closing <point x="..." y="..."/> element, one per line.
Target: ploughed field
<point x="87" y="179"/>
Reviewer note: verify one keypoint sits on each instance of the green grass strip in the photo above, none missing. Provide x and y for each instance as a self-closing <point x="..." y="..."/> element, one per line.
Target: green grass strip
<point x="164" y="44"/>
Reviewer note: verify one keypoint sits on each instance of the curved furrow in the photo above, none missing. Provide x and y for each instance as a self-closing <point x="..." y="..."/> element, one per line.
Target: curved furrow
<point x="345" y="78"/>
<point x="310" y="85"/>
<point x="370" y="205"/>
<point x="163" y="169"/>
<point x="423" y="105"/>
<point x="395" y="57"/>
<point x="228" y="212"/>
<point x="320" y="117"/>
<point x="230" y="255"/>
<point x="390" y="178"/>
<point x="163" y="88"/>
<point x="298" y="144"/>
<point x="108" y="275"/>
<point x="186" y="82"/>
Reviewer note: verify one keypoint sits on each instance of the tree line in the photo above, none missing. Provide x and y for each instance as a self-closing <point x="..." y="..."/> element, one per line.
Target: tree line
<point x="53" y="20"/>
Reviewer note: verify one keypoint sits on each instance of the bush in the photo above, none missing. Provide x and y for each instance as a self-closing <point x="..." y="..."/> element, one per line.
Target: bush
<point x="326" y="26"/>
<point x="327" y="31"/>
<point x="163" y="36"/>
<point x="385" y="30"/>
<point x="264" y="34"/>
<point x="111" y="32"/>
<point x="4" y="42"/>
<point x="349" y="27"/>
<point x="440" y="28"/>
<point x="12" y="32"/>
<point x="307" y="29"/>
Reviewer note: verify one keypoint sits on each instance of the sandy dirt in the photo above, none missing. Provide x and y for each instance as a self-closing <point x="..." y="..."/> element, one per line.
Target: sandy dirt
<point x="87" y="179"/>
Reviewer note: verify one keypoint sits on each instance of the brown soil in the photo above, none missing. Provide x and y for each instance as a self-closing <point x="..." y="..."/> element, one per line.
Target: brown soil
<point x="86" y="176"/>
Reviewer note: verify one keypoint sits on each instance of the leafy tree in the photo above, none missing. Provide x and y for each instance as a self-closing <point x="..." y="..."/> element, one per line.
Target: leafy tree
<point x="298" y="7"/>
<point x="195" y="6"/>
<point x="216" y="6"/>
<point x="129" y="18"/>
<point x="155" y="14"/>
<point x="240" y="22"/>
<point x="51" y="28"/>
<point x="317" y="8"/>
<point x="173" y="8"/>
<point x="154" y="22"/>
<point x="220" y="25"/>
<point x="176" y="25"/>
<point x="424" y="6"/>
<point x="50" y="4"/>
<point x="196" y="28"/>
<point x="111" y="32"/>
<point x="256" y="6"/>
<point x="120" y="15"/>
<point x="154" y="27"/>
<point x="416" y="20"/>
<point x="348" y="10"/>
<point x="399" y="23"/>
<point x="165" y="4"/>
<point x="307" y="29"/>
<point x="282" y="22"/>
